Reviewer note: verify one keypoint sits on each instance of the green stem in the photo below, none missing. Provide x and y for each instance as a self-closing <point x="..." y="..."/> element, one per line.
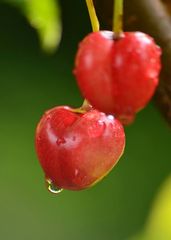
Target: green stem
<point x="84" y="108"/>
<point x="93" y="16"/>
<point x="95" y="27"/>
<point x="86" y="105"/>
<point x="118" y="17"/>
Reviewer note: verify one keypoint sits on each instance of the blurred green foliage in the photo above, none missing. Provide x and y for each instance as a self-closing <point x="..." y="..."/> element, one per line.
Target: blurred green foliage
<point x="158" y="225"/>
<point x="44" y="16"/>
<point x="31" y="82"/>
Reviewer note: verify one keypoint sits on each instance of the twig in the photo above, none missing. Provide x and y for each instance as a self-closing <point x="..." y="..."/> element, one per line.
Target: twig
<point x="155" y="20"/>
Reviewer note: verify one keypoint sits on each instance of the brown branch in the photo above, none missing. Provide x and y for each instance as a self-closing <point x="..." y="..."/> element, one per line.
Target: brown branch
<point x="155" y="20"/>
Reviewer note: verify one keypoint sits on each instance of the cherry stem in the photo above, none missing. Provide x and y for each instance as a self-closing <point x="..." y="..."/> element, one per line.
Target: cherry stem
<point x="84" y="108"/>
<point x="118" y="17"/>
<point x="93" y="17"/>
<point x="95" y="27"/>
<point x="86" y="105"/>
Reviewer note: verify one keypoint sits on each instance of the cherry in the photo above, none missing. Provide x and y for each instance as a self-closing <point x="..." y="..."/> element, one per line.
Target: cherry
<point x="77" y="149"/>
<point x="118" y="75"/>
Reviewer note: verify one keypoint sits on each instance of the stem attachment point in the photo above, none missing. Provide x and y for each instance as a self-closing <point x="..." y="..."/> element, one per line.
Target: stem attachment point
<point x="118" y="17"/>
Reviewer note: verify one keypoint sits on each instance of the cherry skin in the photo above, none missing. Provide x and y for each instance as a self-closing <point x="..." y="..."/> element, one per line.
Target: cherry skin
<point x="76" y="150"/>
<point x="118" y="76"/>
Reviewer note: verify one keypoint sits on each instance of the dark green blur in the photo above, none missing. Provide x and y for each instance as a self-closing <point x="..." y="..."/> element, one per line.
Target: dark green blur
<point x="32" y="82"/>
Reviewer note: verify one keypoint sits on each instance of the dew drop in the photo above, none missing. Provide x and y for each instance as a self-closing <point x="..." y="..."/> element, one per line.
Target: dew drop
<point x="110" y="117"/>
<point x="74" y="138"/>
<point x="60" y="141"/>
<point x="97" y="128"/>
<point x="52" y="187"/>
<point x="39" y="138"/>
<point x="76" y="172"/>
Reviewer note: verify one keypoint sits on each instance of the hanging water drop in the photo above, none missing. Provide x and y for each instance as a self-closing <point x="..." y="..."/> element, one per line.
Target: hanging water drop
<point x="52" y="187"/>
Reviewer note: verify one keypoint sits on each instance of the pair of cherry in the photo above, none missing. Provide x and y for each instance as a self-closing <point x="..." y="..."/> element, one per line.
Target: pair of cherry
<point x="118" y="76"/>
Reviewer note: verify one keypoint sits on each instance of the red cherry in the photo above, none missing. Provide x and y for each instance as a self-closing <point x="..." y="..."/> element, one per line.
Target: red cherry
<point x="118" y="76"/>
<point x="77" y="150"/>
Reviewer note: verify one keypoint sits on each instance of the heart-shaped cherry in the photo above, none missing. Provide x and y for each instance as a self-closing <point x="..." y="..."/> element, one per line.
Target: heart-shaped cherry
<point x="118" y="76"/>
<point x="75" y="149"/>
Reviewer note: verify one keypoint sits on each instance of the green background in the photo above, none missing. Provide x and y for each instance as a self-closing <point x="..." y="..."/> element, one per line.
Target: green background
<point x="32" y="82"/>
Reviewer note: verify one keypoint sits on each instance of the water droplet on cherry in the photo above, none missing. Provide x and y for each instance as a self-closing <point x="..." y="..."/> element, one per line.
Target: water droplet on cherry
<point x="76" y="172"/>
<point x="52" y="187"/>
<point x="60" y="141"/>
<point x="110" y="117"/>
<point x="74" y="138"/>
<point x="96" y="129"/>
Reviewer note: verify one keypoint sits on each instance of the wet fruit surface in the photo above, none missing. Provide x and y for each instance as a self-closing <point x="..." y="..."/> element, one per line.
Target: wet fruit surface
<point x="118" y="76"/>
<point x="76" y="150"/>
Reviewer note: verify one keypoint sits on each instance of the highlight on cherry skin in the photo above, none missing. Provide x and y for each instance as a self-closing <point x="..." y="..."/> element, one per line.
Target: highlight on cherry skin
<point x="118" y="75"/>
<point x="77" y="149"/>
